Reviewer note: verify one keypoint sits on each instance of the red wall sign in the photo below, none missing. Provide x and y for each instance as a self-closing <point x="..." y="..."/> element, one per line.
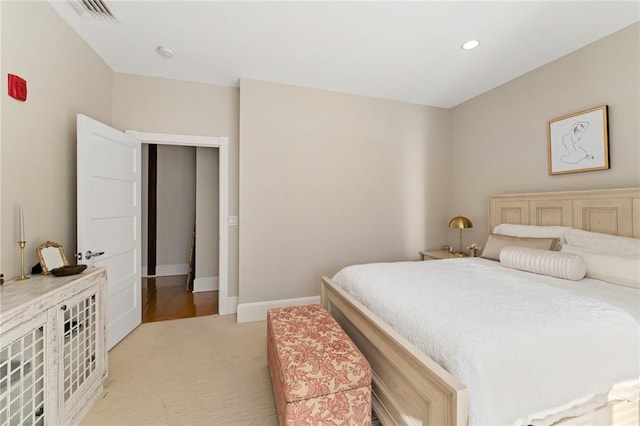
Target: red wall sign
<point x="17" y="88"/>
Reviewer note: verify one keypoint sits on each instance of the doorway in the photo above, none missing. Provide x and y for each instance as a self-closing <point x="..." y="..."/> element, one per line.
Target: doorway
<point x="179" y="232"/>
<point x="221" y="143"/>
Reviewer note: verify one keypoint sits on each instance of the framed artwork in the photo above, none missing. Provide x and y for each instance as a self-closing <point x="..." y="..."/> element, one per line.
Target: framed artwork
<point x="579" y="142"/>
<point x="51" y="255"/>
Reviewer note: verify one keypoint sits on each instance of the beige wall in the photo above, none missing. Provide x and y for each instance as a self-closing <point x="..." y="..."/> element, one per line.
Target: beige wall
<point x="176" y="203"/>
<point x="149" y="104"/>
<point x="64" y="77"/>
<point x="329" y="179"/>
<point x="3" y="83"/>
<point x="187" y="191"/>
<point x="2" y="75"/>
<point x="499" y="139"/>
<point x="207" y="212"/>
<point x="175" y="200"/>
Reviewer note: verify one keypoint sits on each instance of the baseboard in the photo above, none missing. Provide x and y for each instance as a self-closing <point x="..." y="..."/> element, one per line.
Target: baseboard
<point x="232" y="304"/>
<point x="257" y="311"/>
<point x="205" y="284"/>
<point x="168" y="270"/>
<point x="228" y="306"/>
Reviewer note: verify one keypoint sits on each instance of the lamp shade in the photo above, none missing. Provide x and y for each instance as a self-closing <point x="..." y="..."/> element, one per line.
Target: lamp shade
<point x="460" y="222"/>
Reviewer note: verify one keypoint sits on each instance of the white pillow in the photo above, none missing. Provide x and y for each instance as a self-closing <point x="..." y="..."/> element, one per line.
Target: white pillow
<point x="558" y="232"/>
<point x="604" y="243"/>
<point x="614" y="269"/>
<point x="545" y="262"/>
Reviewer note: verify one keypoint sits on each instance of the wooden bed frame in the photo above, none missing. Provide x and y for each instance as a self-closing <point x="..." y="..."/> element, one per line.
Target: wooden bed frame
<point x="409" y="387"/>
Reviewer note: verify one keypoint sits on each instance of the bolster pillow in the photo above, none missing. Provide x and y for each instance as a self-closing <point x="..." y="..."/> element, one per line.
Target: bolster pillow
<point x="544" y="262"/>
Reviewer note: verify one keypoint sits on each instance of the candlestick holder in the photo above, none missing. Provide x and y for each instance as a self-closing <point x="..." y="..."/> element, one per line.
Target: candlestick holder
<point x="22" y="276"/>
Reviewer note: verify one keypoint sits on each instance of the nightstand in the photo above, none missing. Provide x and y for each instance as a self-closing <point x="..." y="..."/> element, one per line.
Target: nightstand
<point x="436" y="254"/>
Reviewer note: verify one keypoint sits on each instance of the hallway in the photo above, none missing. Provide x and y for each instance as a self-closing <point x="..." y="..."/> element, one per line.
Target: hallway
<point x="166" y="298"/>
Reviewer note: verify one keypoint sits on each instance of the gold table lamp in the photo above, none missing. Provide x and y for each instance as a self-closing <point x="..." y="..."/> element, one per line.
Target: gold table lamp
<point x="461" y="223"/>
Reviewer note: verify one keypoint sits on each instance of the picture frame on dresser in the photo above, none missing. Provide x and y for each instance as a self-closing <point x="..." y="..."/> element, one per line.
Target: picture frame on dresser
<point x="51" y="255"/>
<point x="579" y="142"/>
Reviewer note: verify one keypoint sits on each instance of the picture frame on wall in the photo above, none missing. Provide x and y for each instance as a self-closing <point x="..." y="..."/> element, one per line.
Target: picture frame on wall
<point x="579" y="142"/>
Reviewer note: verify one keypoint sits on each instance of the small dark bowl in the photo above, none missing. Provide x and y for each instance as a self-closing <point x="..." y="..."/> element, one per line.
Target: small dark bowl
<point x="68" y="270"/>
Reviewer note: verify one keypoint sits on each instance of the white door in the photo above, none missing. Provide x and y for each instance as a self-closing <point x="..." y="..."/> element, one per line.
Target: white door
<point x="109" y="177"/>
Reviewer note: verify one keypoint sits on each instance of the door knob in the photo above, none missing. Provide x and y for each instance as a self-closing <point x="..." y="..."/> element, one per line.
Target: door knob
<point x="89" y="254"/>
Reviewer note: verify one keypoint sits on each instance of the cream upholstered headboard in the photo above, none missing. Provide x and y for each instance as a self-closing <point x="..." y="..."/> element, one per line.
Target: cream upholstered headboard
<point x="610" y="211"/>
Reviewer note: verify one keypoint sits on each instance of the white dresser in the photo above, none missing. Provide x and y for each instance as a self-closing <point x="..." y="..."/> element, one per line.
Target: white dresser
<point x="53" y="360"/>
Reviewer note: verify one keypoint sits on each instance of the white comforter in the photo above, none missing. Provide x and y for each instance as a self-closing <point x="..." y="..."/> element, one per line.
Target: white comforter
<point x="525" y="345"/>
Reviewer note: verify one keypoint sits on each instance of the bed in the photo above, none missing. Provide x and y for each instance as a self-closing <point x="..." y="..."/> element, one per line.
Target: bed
<point x="409" y="387"/>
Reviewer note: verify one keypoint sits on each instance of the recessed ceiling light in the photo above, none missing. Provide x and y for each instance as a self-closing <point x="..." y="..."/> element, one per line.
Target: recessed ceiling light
<point x="165" y="52"/>
<point x="471" y="44"/>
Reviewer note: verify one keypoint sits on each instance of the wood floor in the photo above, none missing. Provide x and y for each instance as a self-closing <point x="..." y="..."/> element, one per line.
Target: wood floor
<point x="166" y="298"/>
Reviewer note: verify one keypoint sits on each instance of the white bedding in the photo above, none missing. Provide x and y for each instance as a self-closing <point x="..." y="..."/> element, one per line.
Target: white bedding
<point x="526" y="346"/>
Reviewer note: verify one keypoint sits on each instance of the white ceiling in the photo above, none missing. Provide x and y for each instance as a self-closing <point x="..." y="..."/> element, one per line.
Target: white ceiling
<point x="405" y="51"/>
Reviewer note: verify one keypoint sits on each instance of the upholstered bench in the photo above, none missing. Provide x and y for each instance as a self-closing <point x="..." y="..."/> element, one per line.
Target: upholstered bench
<point x="318" y="375"/>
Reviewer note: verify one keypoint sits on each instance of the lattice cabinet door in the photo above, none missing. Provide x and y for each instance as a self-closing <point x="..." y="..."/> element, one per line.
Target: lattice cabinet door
<point x="23" y="396"/>
<point x="81" y="365"/>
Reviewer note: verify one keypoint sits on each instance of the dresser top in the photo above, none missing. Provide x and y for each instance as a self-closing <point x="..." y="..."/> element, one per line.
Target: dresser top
<point x="14" y="294"/>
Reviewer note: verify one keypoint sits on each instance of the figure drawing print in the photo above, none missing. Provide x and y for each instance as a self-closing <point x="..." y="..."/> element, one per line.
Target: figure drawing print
<point x="572" y="142"/>
<point x="579" y="142"/>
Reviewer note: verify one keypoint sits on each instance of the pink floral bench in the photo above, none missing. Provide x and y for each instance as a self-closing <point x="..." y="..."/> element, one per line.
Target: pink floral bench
<point x="318" y="375"/>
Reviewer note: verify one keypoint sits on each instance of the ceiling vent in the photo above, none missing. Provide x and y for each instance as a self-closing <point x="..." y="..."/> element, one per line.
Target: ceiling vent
<point x="94" y="9"/>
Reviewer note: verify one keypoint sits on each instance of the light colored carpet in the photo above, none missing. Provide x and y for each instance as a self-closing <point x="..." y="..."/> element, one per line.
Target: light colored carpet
<point x="196" y="371"/>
